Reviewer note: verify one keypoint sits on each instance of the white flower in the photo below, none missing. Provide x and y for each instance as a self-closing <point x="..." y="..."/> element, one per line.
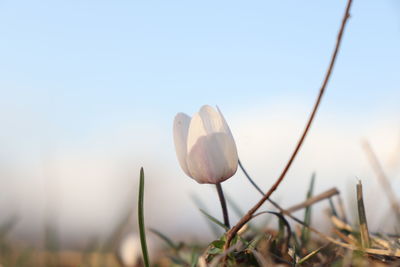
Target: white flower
<point x="130" y="250"/>
<point x="205" y="146"/>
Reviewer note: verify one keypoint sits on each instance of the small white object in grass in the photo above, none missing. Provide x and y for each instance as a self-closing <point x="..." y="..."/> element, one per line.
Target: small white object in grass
<point x="205" y="146"/>
<point x="130" y="250"/>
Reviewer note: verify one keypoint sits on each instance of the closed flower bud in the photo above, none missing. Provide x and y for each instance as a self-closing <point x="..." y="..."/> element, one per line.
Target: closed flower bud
<point x="205" y="146"/>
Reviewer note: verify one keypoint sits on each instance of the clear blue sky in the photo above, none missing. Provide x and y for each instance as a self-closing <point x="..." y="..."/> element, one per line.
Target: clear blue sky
<point x="87" y="64"/>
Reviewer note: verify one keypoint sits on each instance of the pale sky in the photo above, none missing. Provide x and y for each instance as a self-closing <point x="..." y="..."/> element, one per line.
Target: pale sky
<point x="90" y="88"/>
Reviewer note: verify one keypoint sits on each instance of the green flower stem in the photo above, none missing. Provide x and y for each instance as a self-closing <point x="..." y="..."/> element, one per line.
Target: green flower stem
<point x="223" y="205"/>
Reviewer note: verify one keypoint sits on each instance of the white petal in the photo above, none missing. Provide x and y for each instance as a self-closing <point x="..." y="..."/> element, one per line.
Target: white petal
<point x="213" y="120"/>
<point x="230" y="149"/>
<point x="181" y="127"/>
<point x="225" y="126"/>
<point x="212" y="155"/>
<point x="205" y="122"/>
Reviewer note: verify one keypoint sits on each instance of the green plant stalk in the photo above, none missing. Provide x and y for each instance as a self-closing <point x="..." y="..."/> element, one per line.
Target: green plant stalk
<point x="223" y="205"/>
<point x="142" y="230"/>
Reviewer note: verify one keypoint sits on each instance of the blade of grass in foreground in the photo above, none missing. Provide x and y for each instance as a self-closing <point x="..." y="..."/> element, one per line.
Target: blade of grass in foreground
<point x="305" y="233"/>
<point x="141" y="220"/>
<point x="365" y="240"/>
<point x="214" y="220"/>
<point x="216" y="230"/>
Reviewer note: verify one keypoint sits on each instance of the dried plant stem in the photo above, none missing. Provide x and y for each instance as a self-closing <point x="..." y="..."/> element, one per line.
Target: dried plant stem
<point x="223" y="204"/>
<point x="232" y="232"/>
<point x="383" y="179"/>
<point x="324" y="195"/>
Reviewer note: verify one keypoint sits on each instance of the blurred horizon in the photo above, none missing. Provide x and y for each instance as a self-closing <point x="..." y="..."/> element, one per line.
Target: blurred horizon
<point x="90" y="90"/>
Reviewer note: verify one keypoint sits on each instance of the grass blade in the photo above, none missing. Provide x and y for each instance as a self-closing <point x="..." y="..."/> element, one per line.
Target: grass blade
<point x="200" y="205"/>
<point x="305" y="233"/>
<point x="365" y="240"/>
<point x="309" y="255"/>
<point x="141" y="220"/>
<point x="214" y="220"/>
<point x="166" y="239"/>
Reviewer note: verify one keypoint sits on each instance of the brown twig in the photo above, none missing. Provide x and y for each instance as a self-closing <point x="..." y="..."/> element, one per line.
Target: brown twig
<point x="232" y="232"/>
<point x="383" y="179"/>
<point x="326" y="194"/>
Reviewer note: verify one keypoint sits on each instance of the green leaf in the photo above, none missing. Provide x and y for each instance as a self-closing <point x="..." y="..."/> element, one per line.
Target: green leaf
<point x="218" y="243"/>
<point x="141" y="220"/>
<point x="213" y="251"/>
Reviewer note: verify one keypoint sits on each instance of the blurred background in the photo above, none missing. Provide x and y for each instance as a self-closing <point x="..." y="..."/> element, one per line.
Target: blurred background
<point x="89" y="90"/>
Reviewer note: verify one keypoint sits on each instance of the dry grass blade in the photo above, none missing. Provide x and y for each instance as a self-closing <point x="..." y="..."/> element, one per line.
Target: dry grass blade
<point x="381" y="252"/>
<point x="350" y="239"/>
<point x="341" y="224"/>
<point x="381" y="242"/>
<point x="383" y="179"/>
<point x="324" y="195"/>
<point x="365" y="239"/>
<point x="309" y="255"/>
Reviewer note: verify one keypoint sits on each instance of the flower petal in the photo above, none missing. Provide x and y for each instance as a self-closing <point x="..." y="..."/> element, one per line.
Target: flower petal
<point x="212" y="155"/>
<point x="230" y="152"/>
<point x="213" y="120"/>
<point x="181" y="128"/>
